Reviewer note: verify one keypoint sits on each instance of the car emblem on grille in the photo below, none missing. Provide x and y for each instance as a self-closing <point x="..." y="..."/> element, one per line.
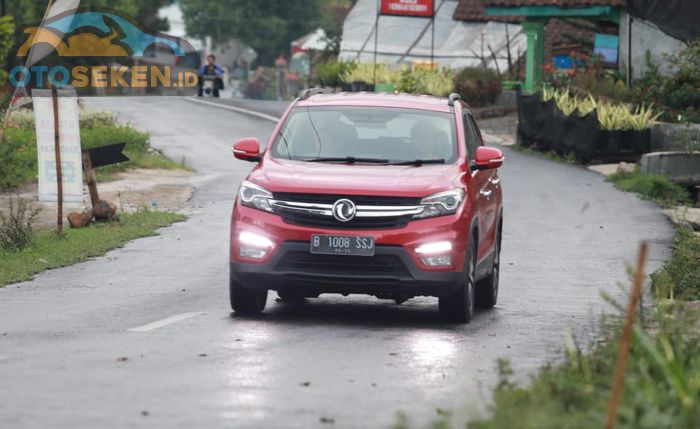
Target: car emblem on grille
<point x="344" y="210"/>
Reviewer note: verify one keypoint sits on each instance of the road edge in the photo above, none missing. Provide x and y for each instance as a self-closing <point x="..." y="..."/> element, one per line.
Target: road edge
<point x="235" y="109"/>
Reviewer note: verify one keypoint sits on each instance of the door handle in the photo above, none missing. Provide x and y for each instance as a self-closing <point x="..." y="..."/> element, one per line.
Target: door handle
<point x="486" y="192"/>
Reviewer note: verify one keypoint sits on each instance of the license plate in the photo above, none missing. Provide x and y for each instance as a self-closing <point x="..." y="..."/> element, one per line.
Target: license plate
<point x="342" y="245"/>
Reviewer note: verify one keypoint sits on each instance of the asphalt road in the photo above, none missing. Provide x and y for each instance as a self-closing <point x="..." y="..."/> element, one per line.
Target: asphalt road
<point x="356" y="360"/>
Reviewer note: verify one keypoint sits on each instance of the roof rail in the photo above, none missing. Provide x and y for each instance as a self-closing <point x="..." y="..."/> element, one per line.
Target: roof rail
<point x="453" y="97"/>
<point x="313" y="91"/>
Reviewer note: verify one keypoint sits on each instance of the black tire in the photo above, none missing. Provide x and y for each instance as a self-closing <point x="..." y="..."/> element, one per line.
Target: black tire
<point x="246" y="301"/>
<point x="487" y="289"/>
<point x="458" y="307"/>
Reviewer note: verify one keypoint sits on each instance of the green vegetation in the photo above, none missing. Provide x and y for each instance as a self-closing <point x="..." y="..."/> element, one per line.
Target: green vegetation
<point x="48" y="250"/>
<point x="661" y="386"/>
<point x="478" y="86"/>
<point x="680" y="276"/>
<point x="330" y="73"/>
<point x="651" y="187"/>
<point x="98" y="128"/>
<point x="267" y="26"/>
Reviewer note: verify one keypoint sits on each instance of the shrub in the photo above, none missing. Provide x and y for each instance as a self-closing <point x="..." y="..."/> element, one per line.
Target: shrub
<point x="330" y="73"/>
<point x="478" y="86"/>
<point x="651" y="187"/>
<point x="369" y="73"/>
<point x="434" y="82"/>
<point x="16" y="226"/>
<point x="680" y="93"/>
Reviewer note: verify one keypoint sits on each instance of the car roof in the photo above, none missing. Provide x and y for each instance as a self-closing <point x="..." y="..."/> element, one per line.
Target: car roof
<point x="371" y="99"/>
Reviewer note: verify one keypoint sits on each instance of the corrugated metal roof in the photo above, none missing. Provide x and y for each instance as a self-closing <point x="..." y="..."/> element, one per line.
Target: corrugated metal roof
<point x="475" y="11"/>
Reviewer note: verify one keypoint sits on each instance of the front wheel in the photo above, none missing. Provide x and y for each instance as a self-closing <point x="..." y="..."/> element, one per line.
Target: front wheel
<point x="458" y="307"/>
<point x="487" y="289"/>
<point x="246" y="301"/>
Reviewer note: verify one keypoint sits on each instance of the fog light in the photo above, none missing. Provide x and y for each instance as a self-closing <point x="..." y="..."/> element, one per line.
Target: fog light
<point x="254" y="246"/>
<point x="437" y="248"/>
<point x="437" y="261"/>
<point x="251" y="253"/>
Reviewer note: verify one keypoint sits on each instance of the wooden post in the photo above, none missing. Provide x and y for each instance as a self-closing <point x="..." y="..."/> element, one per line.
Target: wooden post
<point x="91" y="179"/>
<point x="59" y="172"/>
<point x="623" y="352"/>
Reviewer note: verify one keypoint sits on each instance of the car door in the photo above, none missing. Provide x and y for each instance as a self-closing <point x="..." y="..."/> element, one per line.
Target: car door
<point x="480" y="184"/>
<point x="490" y="191"/>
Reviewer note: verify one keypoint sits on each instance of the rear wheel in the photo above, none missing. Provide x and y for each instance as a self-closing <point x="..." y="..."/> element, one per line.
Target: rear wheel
<point x="458" y="307"/>
<point x="246" y="301"/>
<point x="487" y="289"/>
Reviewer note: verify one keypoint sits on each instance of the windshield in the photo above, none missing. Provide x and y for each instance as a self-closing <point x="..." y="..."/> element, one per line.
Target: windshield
<point x="367" y="134"/>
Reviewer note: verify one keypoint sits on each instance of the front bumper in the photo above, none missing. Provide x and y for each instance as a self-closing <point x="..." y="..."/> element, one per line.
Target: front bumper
<point x="391" y="272"/>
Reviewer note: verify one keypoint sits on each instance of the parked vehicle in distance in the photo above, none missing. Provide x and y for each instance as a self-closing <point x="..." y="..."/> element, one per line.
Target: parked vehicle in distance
<point x="390" y="195"/>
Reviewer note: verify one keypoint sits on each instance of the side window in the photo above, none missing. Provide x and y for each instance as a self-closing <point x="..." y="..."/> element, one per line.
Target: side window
<point x="471" y="136"/>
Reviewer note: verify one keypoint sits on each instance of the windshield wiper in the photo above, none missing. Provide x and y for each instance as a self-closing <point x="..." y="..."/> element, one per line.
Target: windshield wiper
<point x="349" y="160"/>
<point x="419" y="162"/>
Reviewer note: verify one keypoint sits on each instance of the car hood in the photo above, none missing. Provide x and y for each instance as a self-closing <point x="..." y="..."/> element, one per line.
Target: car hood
<point x="357" y="179"/>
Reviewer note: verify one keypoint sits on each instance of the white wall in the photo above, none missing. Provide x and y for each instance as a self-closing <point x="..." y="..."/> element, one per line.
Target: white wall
<point x="646" y="36"/>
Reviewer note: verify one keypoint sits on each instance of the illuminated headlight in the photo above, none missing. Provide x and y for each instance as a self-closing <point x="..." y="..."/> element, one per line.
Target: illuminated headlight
<point x="254" y="246"/>
<point x="437" y="254"/>
<point x="255" y="197"/>
<point x="441" y="204"/>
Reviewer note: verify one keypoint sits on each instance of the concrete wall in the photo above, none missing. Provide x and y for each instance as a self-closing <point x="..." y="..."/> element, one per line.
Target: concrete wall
<point x="645" y="36"/>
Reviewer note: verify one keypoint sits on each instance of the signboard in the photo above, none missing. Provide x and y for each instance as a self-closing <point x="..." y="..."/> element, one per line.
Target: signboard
<point x="107" y="155"/>
<point x="71" y="157"/>
<point x="417" y="8"/>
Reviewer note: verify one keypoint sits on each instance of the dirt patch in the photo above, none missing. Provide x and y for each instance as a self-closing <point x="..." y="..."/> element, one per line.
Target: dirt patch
<point x="162" y="190"/>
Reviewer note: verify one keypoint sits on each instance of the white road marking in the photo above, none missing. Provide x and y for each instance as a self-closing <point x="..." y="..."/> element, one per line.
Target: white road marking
<point x="235" y="109"/>
<point x="164" y="322"/>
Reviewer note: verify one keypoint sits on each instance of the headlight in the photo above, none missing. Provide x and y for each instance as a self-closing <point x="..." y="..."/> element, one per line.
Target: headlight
<point x="441" y="204"/>
<point x="255" y="197"/>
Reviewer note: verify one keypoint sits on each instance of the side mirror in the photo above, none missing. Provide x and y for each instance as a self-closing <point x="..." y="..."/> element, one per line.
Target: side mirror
<point x="487" y="158"/>
<point x="247" y="150"/>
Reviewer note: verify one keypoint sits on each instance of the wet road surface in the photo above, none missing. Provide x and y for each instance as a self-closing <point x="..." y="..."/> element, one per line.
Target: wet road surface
<point x="162" y="303"/>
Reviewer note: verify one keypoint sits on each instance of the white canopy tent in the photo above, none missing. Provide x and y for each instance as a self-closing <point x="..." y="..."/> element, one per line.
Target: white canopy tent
<point x="406" y="39"/>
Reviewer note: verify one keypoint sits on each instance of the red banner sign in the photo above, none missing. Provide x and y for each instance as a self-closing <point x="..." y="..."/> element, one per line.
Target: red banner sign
<point x="420" y="8"/>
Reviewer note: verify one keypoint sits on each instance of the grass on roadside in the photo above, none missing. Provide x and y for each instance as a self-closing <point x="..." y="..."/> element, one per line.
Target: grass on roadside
<point x="18" y="150"/>
<point x="680" y="276"/>
<point x="47" y="250"/>
<point x="652" y="187"/>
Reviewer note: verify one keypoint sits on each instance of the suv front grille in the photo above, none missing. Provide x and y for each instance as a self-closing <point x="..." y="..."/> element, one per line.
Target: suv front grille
<point x="302" y="218"/>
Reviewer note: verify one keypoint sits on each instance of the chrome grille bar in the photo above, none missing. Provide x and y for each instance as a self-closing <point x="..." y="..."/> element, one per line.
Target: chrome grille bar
<point x="362" y="211"/>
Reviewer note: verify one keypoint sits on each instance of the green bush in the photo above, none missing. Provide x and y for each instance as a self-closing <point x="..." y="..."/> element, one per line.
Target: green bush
<point x="330" y="73"/>
<point x="651" y="187"/>
<point x="18" y="157"/>
<point x="679" y="94"/>
<point x="478" y="86"/>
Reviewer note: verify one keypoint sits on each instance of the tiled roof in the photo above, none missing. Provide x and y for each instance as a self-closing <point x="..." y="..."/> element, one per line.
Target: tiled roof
<point x="475" y="10"/>
<point x="560" y="3"/>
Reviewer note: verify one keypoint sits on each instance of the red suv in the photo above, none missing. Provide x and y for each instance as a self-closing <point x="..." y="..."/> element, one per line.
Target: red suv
<point x="390" y="195"/>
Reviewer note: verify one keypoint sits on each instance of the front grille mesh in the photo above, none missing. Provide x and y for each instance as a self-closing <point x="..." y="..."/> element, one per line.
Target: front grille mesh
<point x="310" y="220"/>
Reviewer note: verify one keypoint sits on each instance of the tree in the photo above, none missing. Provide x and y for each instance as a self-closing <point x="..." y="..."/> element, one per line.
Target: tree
<point x="144" y="12"/>
<point x="268" y="26"/>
